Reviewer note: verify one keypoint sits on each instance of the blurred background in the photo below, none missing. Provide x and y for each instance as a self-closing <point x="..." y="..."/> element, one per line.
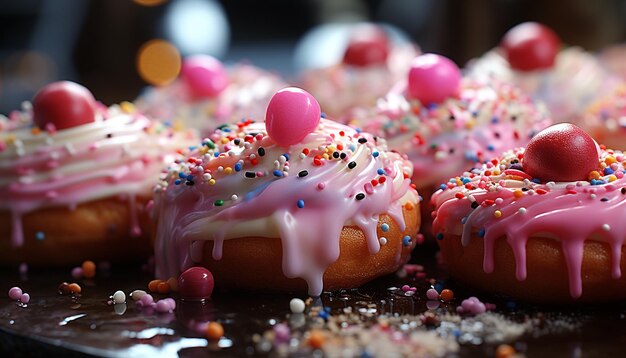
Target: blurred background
<point x="111" y="46"/>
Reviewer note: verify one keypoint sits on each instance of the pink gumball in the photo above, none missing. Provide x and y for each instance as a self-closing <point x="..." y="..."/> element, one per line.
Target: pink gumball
<point x="291" y="114"/>
<point x="204" y="76"/>
<point x="433" y="78"/>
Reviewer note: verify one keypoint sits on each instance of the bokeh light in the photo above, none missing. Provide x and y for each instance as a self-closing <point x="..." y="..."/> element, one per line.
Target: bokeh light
<point x="149" y="2"/>
<point x="158" y="62"/>
<point x="197" y="27"/>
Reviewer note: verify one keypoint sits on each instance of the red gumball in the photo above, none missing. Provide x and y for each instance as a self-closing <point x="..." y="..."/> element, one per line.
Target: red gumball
<point x="196" y="283"/>
<point x="561" y="153"/>
<point x="530" y="46"/>
<point x="368" y="45"/>
<point x="64" y="105"/>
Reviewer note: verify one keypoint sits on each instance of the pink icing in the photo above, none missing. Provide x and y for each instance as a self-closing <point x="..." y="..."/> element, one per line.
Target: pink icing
<point x="444" y="139"/>
<point x="241" y="193"/>
<point x="120" y="156"/>
<point x="569" y="212"/>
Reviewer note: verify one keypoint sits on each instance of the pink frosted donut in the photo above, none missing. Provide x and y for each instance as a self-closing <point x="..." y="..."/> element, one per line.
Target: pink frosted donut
<point x="333" y="209"/>
<point x="605" y="119"/>
<point x="503" y="231"/>
<point x="75" y="186"/>
<point x="356" y="82"/>
<point x="208" y="94"/>
<point x="567" y="87"/>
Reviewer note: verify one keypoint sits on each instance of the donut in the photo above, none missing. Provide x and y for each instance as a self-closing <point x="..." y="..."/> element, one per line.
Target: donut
<point x="567" y="80"/>
<point x="541" y="223"/>
<point x="207" y="94"/>
<point x="75" y="177"/>
<point x="605" y="119"/>
<point x="371" y="64"/>
<point x="444" y="123"/>
<point x="298" y="202"/>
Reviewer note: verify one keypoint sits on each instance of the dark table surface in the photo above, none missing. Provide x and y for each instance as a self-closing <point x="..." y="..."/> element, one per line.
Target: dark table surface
<point x="374" y="320"/>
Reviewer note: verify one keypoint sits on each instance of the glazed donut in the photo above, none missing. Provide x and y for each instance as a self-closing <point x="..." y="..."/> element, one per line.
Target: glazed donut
<point x="529" y="56"/>
<point x="371" y="64"/>
<point x="541" y="224"/>
<point x="444" y="123"/>
<point x="294" y="202"/>
<point x="75" y="177"/>
<point x="208" y="94"/>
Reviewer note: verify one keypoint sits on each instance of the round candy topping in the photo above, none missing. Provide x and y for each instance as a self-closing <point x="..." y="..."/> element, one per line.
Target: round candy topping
<point x="204" y="76"/>
<point x="291" y="114"/>
<point x="433" y="78"/>
<point x="530" y="46"/>
<point x="196" y="283"/>
<point x="368" y="45"/>
<point x="63" y="105"/>
<point x="562" y="152"/>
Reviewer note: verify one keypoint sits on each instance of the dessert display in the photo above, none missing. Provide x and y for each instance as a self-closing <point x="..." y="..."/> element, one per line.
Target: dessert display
<point x="371" y="65"/>
<point x="226" y="214"/>
<point x="538" y="224"/>
<point x="207" y="94"/>
<point x="530" y="56"/>
<point x="301" y="200"/>
<point x="75" y="177"/>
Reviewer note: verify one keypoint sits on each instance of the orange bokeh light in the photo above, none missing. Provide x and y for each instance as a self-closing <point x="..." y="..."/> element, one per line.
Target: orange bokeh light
<point x="158" y="62"/>
<point x="149" y="2"/>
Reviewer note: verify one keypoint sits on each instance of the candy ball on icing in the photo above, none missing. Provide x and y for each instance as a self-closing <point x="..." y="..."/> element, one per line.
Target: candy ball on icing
<point x="433" y="78"/>
<point x="64" y="105"/>
<point x="291" y="114"/>
<point x="530" y="46"/>
<point x="562" y="152"/>
<point x="368" y="45"/>
<point x="204" y="76"/>
<point x="196" y="283"/>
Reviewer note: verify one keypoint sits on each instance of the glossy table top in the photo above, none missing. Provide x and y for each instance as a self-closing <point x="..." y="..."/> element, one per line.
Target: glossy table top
<point x="378" y="319"/>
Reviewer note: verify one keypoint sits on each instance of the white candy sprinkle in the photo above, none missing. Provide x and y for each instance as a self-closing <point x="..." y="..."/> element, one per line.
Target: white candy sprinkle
<point x="206" y="176"/>
<point x="119" y="297"/>
<point x="383" y="241"/>
<point x="234" y="197"/>
<point x="136" y="295"/>
<point x="521" y="211"/>
<point x="606" y="227"/>
<point x="302" y="155"/>
<point x="296" y="305"/>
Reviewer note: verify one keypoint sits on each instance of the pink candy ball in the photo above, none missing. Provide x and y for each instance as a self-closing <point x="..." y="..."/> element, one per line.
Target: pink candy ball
<point x="432" y="294"/>
<point x="291" y="114"/>
<point x="433" y="78"/>
<point x="15" y="293"/>
<point x="204" y="76"/>
<point x="24" y="298"/>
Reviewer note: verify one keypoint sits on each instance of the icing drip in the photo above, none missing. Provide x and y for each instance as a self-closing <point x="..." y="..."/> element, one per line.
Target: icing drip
<point x="507" y="205"/>
<point x="116" y="156"/>
<point x="191" y="206"/>
<point x="442" y="140"/>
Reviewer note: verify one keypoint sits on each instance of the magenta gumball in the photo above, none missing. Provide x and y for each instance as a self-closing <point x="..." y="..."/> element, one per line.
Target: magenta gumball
<point x="291" y="114"/>
<point x="196" y="283"/>
<point x="204" y="76"/>
<point x="433" y="79"/>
